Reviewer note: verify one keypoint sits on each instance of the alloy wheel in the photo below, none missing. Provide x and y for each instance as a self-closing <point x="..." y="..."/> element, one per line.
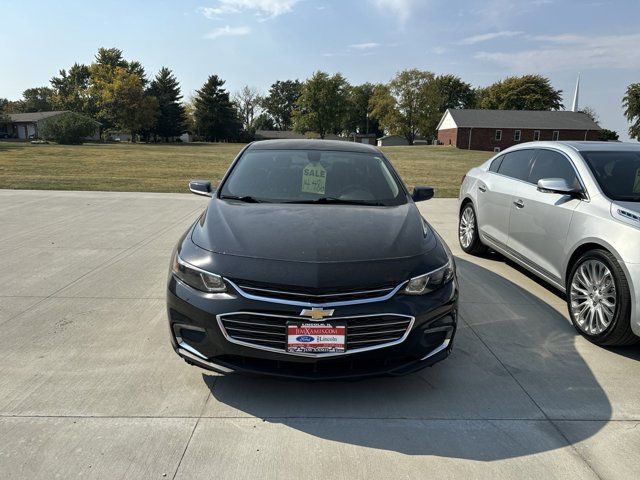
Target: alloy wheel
<point x="593" y="297"/>
<point x="467" y="227"/>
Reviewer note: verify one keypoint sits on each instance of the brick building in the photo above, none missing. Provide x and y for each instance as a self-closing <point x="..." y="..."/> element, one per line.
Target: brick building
<point x="495" y="130"/>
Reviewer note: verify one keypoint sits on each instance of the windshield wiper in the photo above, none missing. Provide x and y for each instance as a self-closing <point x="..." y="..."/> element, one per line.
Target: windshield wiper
<point x="241" y="198"/>
<point x="337" y="200"/>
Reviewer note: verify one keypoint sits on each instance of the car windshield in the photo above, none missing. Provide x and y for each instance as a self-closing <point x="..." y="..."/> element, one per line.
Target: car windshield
<point x="617" y="173"/>
<point x="313" y="176"/>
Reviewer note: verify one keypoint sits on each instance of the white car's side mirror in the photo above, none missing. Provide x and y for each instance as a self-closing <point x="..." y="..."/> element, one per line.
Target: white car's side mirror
<point x="557" y="185"/>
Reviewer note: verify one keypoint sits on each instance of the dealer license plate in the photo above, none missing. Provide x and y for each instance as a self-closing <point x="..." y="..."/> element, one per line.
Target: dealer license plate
<point x="316" y="338"/>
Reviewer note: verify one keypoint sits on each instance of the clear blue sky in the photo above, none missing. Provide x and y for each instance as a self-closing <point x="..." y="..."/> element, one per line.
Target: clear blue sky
<point x="256" y="42"/>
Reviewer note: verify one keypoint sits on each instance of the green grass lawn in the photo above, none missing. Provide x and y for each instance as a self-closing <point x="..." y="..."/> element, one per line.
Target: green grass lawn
<point x="168" y="168"/>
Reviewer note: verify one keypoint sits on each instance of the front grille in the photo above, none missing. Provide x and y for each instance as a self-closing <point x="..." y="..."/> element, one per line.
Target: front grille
<point x="297" y="294"/>
<point x="270" y="331"/>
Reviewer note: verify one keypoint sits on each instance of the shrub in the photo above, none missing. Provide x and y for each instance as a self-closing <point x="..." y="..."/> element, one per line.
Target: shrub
<point x="608" y="135"/>
<point x="68" y="129"/>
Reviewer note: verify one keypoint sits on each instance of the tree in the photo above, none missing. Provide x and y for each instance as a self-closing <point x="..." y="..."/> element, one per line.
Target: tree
<point x="118" y="89"/>
<point x="402" y="106"/>
<point x="608" y="135"/>
<point x="247" y="101"/>
<point x="280" y="102"/>
<point x="110" y="57"/>
<point x="39" y="99"/>
<point x="189" y="115"/>
<point x="4" y="103"/>
<point x="453" y="92"/>
<point x="528" y="92"/>
<point x="68" y="129"/>
<point x="123" y="104"/>
<point x="631" y="104"/>
<point x="262" y="122"/>
<point x="71" y="90"/>
<point x="215" y="117"/>
<point x="321" y="107"/>
<point x="358" y="117"/>
<point x="170" y="121"/>
<point x="440" y="94"/>
<point x="590" y="112"/>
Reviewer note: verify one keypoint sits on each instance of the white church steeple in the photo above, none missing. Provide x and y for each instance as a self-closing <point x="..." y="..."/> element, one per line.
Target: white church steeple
<point x="574" y="108"/>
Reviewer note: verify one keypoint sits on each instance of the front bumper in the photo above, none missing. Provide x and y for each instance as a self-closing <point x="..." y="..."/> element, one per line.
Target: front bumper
<point x="198" y="336"/>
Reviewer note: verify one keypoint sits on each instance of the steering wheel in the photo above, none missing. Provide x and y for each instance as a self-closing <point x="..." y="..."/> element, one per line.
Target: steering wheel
<point x="355" y="192"/>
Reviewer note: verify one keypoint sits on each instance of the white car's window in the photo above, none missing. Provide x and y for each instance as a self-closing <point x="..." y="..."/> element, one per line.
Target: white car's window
<point x="617" y="173"/>
<point x="550" y="164"/>
<point x="495" y="164"/>
<point x="517" y="164"/>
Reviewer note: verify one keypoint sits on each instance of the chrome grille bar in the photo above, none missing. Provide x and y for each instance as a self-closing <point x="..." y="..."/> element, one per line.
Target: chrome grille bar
<point x="265" y="295"/>
<point x="386" y="329"/>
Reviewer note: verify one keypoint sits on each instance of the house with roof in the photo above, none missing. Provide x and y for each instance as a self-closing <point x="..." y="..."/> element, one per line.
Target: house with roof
<point x="495" y="130"/>
<point x="25" y="126"/>
<point x="399" y="141"/>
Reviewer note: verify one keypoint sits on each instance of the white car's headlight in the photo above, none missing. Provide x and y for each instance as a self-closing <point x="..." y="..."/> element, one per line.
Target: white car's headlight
<point x="430" y="281"/>
<point x="196" y="277"/>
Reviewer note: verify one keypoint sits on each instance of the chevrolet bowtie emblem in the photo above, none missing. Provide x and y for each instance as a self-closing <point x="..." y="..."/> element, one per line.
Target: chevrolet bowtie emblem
<point x="316" y="313"/>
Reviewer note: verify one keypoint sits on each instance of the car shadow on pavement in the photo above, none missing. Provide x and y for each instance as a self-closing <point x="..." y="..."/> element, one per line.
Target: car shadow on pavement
<point x="514" y="370"/>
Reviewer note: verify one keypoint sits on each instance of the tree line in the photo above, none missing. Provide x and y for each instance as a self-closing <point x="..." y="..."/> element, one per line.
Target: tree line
<point x="119" y="94"/>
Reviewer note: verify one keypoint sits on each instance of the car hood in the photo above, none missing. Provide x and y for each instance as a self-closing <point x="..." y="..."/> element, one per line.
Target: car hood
<point x="312" y="233"/>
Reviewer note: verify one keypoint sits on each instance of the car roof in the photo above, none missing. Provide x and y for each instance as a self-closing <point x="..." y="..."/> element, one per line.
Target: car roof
<point x="313" y="144"/>
<point x="603" y="146"/>
<point x="578" y="146"/>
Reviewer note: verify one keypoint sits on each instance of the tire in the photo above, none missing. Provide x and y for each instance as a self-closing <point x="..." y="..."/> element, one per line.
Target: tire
<point x="599" y="300"/>
<point x="468" y="231"/>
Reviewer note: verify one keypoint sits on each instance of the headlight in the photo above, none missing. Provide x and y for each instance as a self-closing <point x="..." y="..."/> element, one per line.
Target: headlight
<point x="430" y="281"/>
<point x="196" y="277"/>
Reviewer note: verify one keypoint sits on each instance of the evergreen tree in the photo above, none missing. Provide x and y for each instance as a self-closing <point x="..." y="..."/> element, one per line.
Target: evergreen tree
<point x="111" y="57"/>
<point x="215" y="116"/>
<point x="262" y="122"/>
<point x="171" y="115"/>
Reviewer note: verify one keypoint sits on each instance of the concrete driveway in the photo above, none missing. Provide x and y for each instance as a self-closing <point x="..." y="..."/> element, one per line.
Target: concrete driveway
<point x="89" y="385"/>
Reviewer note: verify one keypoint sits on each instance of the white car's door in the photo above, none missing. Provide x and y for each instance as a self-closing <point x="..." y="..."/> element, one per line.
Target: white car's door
<point x="539" y="221"/>
<point x="495" y="193"/>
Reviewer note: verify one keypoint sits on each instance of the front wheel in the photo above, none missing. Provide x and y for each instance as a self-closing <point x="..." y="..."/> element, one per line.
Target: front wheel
<point x="599" y="299"/>
<point x="468" y="235"/>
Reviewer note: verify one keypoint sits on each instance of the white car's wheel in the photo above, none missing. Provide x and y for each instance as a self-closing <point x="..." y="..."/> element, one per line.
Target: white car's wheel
<point x="599" y="299"/>
<point x="468" y="231"/>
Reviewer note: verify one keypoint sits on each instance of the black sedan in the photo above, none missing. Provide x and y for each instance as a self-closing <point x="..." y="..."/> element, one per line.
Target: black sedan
<point x="312" y="261"/>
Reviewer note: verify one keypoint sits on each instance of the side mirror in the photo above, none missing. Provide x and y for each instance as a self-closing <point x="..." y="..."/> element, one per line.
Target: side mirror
<point x="557" y="185"/>
<point x="420" y="193"/>
<point x="201" y="187"/>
